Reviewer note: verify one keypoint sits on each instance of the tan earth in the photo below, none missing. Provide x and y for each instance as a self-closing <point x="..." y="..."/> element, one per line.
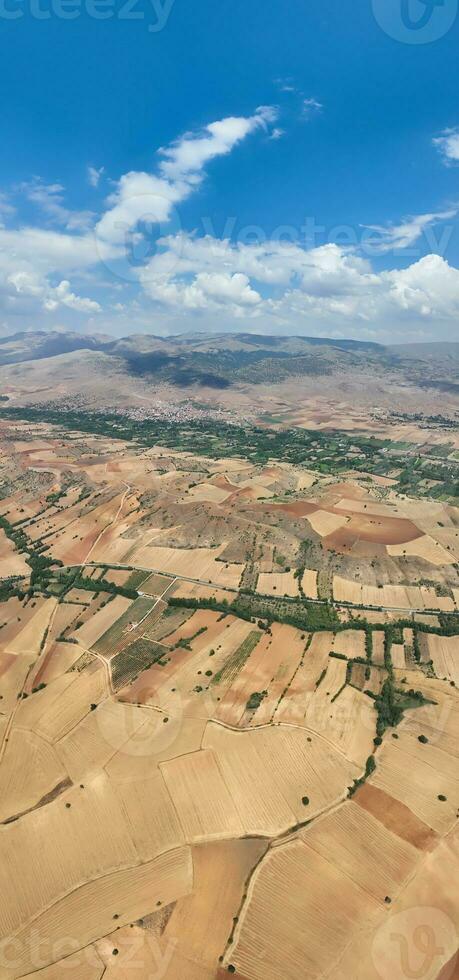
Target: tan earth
<point x="190" y="772"/>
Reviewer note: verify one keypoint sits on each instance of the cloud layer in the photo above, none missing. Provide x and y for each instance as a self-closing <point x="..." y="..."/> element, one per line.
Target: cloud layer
<point x="288" y="283"/>
<point x="52" y="262"/>
<point x="33" y="259"/>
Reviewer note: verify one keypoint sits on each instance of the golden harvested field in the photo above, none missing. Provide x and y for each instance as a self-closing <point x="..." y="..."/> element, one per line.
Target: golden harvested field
<point x="11" y="561"/>
<point x="57" y="659"/>
<point x="117" y="575"/>
<point x="30" y="770"/>
<point x="351" y="643"/>
<point x="192" y="590"/>
<point x="378" y="647"/>
<point x="206" y="491"/>
<point x="427" y="906"/>
<point x="309" y="584"/>
<point x="334" y="864"/>
<point x="277" y="583"/>
<point x="201" y="627"/>
<point x="342" y="716"/>
<point x="324" y="522"/>
<point x="14" y="671"/>
<point x="425" y="547"/>
<point x="444" y="652"/>
<point x="29" y="635"/>
<point x="87" y="960"/>
<point x="107" y="732"/>
<point x="51" y="713"/>
<point x="97" y="625"/>
<point x="418" y="775"/>
<point x="398" y="655"/>
<point x="269" y="770"/>
<point x="345" y="590"/>
<point x="393" y="596"/>
<point x="195" y="563"/>
<point x="287" y="930"/>
<point x="66" y="614"/>
<point x="155" y="584"/>
<point x="305" y="480"/>
<point x="200" y="923"/>
<point x="190" y="778"/>
<point x="269" y="667"/>
<point x="151" y="815"/>
<point x="89" y="910"/>
<point x="200" y="795"/>
<point x="312" y="667"/>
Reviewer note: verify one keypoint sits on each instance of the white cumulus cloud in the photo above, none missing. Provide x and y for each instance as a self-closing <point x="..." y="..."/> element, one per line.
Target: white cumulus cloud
<point x="94" y="175"/>
<point x="50" y="199"/>
<point x="393" y="237"/>
<point x="448" y="144"/>
<point x="150" y="198"/>
<point x="291" y="284"/>
<point x="30" y="285"/>
<point x="188" y="156"/>
<point x="310" y="106"/>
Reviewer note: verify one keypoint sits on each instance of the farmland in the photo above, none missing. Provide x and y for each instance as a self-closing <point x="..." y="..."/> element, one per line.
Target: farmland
<point x="228" y="705"/>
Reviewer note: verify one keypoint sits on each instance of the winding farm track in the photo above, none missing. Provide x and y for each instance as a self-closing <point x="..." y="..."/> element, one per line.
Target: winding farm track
<point x="110" y="523"/>
<point x="103" y="660"/>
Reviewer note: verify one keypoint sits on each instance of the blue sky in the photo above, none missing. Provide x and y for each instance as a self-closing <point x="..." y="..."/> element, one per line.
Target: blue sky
<point x="193" y="166"/>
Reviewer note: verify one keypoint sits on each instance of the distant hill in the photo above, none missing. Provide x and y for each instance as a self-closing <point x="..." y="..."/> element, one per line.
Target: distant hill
<point x="36" y="345"/>
<point x="222" y="360"/>
<point x="441" y="353"/>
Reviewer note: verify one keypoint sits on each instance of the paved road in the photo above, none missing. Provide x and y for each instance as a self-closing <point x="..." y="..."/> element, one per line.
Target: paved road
<point x="319" y="602"/>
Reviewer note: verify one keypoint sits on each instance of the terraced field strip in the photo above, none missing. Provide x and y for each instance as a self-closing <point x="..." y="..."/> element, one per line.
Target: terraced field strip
<point x="238" y="659"/>
<point x="154" y="584"/>
<point x="132" y="618"/>
<point x="137" y="657"/>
